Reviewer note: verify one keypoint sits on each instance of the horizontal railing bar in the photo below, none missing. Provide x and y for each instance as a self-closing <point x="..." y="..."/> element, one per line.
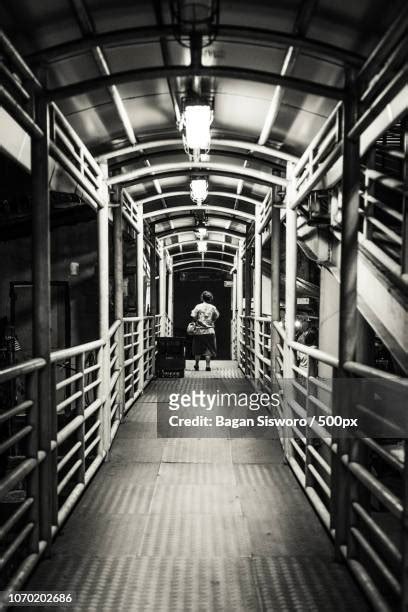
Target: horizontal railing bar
<point x="69" y="400"/>
<point x="375" y="558"/>
<point x="316" y="354"/>
<point x="26" y="405"/>
<point x="68" y="476"/>
<point x="89" y="410"/>
<point x="76" y="350"/>
<point x="92" y="368"/>
<point x="322" y="484"/>
<point x="385" y="542"/>
<point x="365" y="371"/>
<point x="68" y="381"/>
<point x="19" y="435"/>
<point x="16" y="475"/>
<point x="9" y="552"/>
<point x="92" y="430"/>
<point x="21" y="369"/>
<point x="92" y="385"/>
<point x="382" y="493"/>
<point x="15" y="517"/>
<point x="92" y="445"/>
<point x="68" y="456"/>
<point x="114" y="327"/>
<point x="69" y="429"/>
<point x="319" y="459"/>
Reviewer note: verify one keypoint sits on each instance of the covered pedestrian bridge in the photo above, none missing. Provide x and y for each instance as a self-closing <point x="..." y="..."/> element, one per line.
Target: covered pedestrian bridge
<point x="150" y="151"/>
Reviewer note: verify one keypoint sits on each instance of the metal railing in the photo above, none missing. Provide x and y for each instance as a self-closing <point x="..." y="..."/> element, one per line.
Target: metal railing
<point x="69" y="150"/>
<point x="371" y="472"/>
<point x="133" y="363"/>
<point x="17" y="95"/>
<point x="79" y="422"/>
<point x="116" y="370"/>
<point x="20" y="456"/>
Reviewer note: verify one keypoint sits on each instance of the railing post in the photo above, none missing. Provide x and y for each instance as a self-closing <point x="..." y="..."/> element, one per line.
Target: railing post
<point x="170" y="297"/>
<point x="41" y="272"/>
<point x="153" y="290"/>
<point x="275" y="283"/>
<point x="290" y="299"/>
<point x="257" y="289"/>
<point x="140" y="292"/>
<point x="404" y="256"/>
<point x="103" y="267"/>
<point x="239" y="275"/>
<point x="118" y="283"/>
<point x="162" y="290"/>
<point x="248" y="296"/>
<point x="347" y="308"/>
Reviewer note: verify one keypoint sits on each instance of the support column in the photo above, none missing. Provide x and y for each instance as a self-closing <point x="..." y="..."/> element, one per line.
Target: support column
<point x="233" y="343"/>
<point x="240" y="278"/>
<point x="118" y="283"/>
<point x="103" y="267"/>
<point x="348" y="325"/>
<point x="162" y="291"/>
<point x="290" y="301"/>
<point x="257" y="289"/>
<point x="170" y="298"/>
<point x="153" y="289"/>
<point x="41" y="276"/>
<point x="248" y="295"/>
<point x="275" y="228"/>
<point x="140" y="291"/>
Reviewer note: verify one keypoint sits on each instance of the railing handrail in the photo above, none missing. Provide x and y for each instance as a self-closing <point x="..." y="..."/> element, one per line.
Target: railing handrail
<point x="114" y="327"/>
<point x="21" y="369"/>
<point x="280" y="329"/>
<point x="365" y="371"/>
<point x="315" y="354"/>
<point x="76" y="350"/>
<point x="19" y="61"/>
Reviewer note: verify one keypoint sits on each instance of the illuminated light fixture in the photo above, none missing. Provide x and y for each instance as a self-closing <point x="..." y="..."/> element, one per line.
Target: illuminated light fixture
<point x="198" y="190"/>
<point x="196" y="122"/>
<point x="202" y="246"/>
<point x="202" y="232"/>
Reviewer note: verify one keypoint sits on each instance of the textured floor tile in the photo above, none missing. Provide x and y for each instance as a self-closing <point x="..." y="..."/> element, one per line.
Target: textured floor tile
<point x="203" y="536"/>
<point x="196" y="473"/>
<point x="131" y="473"/>
<point x="195" y="499"/>
<point x="137" y="450"/>
<point x="146" y="584"/>
<point x="256" y="451"/>
<point x="197" y="451"/>
<point x="297" y="585"/>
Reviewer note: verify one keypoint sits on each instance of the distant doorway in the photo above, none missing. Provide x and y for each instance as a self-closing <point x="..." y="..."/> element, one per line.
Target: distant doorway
<point x="187" y="294"/>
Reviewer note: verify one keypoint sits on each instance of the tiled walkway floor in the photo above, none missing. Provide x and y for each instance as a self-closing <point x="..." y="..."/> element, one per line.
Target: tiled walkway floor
<point x="195" y="525"/>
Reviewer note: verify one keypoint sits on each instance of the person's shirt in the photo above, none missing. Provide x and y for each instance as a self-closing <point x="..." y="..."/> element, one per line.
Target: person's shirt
<point x="205" y="314"/>
<point x="304" y="360"/>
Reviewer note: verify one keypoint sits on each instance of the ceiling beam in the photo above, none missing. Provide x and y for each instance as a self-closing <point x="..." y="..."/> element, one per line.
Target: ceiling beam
<point x="178" y="194"/>
<point x="228" y="212"/>
<point x="182" y="253"/>
<point x="162" y="72"/>
<point x="162" y="143"/>
<point x="203" y="260"/>
<point x="186" y="229"/>
<point x="236" y="33"/>
<point x="135" y="176"/>
<point x="177" y="244"/>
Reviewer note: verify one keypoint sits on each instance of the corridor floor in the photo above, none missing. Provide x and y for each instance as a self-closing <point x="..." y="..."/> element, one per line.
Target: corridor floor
<point x="195" y="524"/>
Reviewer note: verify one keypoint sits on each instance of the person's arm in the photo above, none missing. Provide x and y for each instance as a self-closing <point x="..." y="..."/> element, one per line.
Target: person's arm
<point x="216" y="314"/>
<point x="194" y="312"/>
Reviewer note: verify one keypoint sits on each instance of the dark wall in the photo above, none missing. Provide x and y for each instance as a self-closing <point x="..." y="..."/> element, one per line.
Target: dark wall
<point x="187" y="295"/>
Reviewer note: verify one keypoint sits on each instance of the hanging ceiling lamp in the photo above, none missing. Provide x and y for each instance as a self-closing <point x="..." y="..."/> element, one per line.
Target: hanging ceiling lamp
<point x="202" y="245"/>
<point x="196" y="125"/>
<point x="198" y="189"/>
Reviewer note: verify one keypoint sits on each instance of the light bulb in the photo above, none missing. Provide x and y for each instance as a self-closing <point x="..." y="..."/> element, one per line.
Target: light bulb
<point x="197" y="121"/>
<point x="202" y="246"/>
<point x="201" y="231"/>
<point x="198" y="190"/>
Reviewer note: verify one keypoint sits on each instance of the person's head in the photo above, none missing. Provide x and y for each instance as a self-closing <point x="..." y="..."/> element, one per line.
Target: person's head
<point x="207" y="297"/>
<point x="310" y="337"/>
<point x="305" y="325"/>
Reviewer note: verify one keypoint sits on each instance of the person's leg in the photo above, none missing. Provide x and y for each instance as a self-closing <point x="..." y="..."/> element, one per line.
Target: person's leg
<point x="197" y="362"/>
<point x="208" y="362"/>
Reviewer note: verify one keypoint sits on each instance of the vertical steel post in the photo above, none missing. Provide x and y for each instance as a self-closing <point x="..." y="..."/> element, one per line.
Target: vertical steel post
<point x="103" y="283"/>
<point x="257" y="290"/>
<point x="275" y="228"/>
<point x="153" y="293"/>
<point x="162" y="290"/>
<point x="348" y="308"/>
<point x="248" y="296"/>
<point x="290" y="301"/>
<point x="118" y="301"/>
<point x="233" y="325"/>
<point x="41" y="272"/>
<point x="240" y="257"/>
<point x="170" y="298"/>
<point x="140" y="293"/>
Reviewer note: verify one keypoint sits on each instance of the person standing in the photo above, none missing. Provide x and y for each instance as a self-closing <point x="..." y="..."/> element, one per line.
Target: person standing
<point x="204" y="342"/>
